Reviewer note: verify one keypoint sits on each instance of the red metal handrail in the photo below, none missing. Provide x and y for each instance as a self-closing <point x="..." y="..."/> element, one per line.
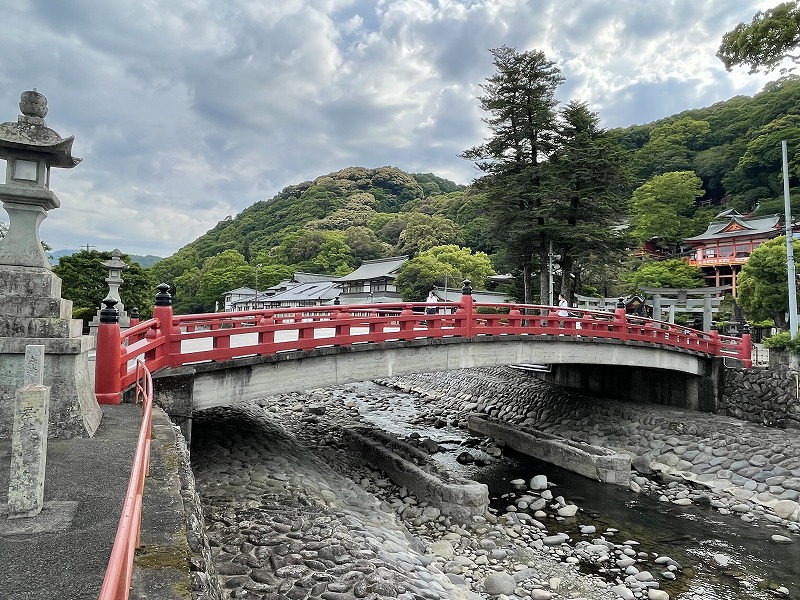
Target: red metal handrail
<point x="117" y="581"/>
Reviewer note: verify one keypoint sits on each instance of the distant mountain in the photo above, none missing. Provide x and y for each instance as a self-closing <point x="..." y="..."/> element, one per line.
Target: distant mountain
<point x="144" y="261"/>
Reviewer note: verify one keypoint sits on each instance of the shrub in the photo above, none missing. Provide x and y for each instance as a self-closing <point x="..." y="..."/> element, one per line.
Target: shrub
<point x="783" y="341"/>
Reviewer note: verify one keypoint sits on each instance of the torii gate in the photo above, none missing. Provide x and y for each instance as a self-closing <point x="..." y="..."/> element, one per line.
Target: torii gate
<point x="695" y="300"/>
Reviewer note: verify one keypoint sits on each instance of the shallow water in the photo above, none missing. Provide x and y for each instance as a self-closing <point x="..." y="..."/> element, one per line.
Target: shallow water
<point x="691" y="535"/>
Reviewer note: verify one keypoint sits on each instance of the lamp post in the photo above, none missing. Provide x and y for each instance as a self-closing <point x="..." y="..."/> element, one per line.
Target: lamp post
<point x="115" y="267"/>
<point x="789" y="246"/>
<point x="32" y="310"/>
<point x="255" y="300"/>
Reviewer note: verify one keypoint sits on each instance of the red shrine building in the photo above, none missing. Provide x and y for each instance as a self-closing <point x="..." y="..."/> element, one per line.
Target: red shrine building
<point x="728" y="242"/>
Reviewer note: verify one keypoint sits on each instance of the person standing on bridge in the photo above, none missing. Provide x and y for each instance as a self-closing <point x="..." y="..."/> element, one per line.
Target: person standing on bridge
<point x="563" y="306"/>
<point x="430" y="310"/>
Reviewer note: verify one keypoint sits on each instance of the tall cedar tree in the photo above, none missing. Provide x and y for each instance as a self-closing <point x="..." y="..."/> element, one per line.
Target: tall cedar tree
<point x="587" y="178"/>
<point x="520" y="97"/>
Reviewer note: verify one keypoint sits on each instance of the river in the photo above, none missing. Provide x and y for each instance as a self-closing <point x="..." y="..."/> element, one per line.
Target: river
<point x="691" y="535"/>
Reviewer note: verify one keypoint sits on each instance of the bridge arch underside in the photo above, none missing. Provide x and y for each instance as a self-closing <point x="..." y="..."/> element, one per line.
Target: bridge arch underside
<point x="627" y="371"/>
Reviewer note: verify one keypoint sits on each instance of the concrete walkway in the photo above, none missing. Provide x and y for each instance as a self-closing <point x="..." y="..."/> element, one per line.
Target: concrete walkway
<point x="66" y="548"/>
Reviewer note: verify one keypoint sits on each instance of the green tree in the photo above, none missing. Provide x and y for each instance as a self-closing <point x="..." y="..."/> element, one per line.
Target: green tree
<point x="520" y="101"/>
<point x="423" y="232"/>
<point x="762" y="285"/>
<point x="439" y="265"/>
<point x="226" y="271"/>
<point x="83" y="280"/>
<point x="764" y="42"/>
<point x="364" y="244"/>
<point x="673" y="273"/>
<point x="671" y="147"/>
<point x="662" y="208"/>
<point x="314" y="251"/>
<point x="762" y="159"/>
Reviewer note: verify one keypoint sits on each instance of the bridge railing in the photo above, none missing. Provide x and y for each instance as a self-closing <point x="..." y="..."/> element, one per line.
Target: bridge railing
<point x="175" y="340"/>
<point x="117" y="580"/>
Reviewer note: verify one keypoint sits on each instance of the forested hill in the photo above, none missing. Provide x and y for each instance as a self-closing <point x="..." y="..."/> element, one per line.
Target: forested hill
<point x="733" y="146"/>
<point x="329" y="225"/>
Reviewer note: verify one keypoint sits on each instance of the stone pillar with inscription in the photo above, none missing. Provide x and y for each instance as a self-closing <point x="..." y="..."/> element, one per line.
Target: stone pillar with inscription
<point x="32" y="311"/>
<point x="29" y="439"/>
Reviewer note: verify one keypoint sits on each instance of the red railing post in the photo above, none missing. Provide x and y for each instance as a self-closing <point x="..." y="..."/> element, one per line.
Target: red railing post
<point x="467" y="305"/>
<point x="713" y="340"/>
<point x="134" y="317"/>
<point x="108" y="356"/>
<point x="621" y="321"/>
<point x="746" y="347"/>
<point x="163" y="312"/>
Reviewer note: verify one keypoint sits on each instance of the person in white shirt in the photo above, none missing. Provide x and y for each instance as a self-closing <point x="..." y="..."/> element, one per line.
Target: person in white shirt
<point x="562" y="303"/>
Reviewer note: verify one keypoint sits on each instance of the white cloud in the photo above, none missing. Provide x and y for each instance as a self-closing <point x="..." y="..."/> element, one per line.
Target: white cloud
<point x="188" y="111"/>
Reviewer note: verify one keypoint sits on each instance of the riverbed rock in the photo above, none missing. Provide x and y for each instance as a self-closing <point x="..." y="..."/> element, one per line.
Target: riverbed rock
<point x="623" y="592"/>
<point x="787" y="509"/>
<point x="721" y="560"/>
<point x="568" y="511"/>
<point x="539" y="482"/>
<point x="499" y="583"/>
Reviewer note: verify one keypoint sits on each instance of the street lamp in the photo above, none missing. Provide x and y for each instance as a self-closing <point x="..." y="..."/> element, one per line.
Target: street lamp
<point x="789" y="246"/>
<point x="255" y="300"/>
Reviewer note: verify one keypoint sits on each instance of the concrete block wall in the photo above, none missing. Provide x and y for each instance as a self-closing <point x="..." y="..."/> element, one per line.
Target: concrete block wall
<point x="457" y="498"/>
<point x="585" y="459"/>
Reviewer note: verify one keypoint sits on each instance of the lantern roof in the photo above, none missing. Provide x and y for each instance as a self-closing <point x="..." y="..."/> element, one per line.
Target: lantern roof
<point x="30" y="134"/>
<point x="115" y="262"/>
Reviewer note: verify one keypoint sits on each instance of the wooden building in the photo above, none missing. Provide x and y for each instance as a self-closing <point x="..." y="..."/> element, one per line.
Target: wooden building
<point x="726" y="245"/>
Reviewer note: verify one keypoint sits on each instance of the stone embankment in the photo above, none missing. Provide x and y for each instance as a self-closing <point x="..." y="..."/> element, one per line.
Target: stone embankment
<point x="767" y="396"/>
<point x="752" y="470"/>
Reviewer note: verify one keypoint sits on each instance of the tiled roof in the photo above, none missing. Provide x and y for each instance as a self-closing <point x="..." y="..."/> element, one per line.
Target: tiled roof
<point x="242" y="290"/>
<point x="318" y="291"/>
<point x="740" y="227"/>
<point x="375" y="269"/>
<point x="312" y="277"/>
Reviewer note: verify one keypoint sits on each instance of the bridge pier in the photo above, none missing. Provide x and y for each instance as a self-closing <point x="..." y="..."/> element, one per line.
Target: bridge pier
<point x="644" y="385"/>
<point x="173" y="391"/>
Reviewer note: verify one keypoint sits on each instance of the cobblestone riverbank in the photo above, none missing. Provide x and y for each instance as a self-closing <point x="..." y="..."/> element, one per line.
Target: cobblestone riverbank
<point x="291" y="512"/>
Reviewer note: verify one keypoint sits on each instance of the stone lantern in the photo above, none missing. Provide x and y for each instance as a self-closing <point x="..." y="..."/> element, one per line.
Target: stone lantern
<point x="30" y="148"/>
<point x="32" y="311"/>
<point x="115" y="268"/>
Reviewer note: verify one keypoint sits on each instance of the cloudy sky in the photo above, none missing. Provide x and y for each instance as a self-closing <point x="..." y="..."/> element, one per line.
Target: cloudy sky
<point x="186" y="111"/>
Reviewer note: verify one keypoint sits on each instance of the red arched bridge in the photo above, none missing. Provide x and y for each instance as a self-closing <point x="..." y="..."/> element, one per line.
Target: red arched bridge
<point x="220" y="357"/>
<point x="357" y="342"/>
